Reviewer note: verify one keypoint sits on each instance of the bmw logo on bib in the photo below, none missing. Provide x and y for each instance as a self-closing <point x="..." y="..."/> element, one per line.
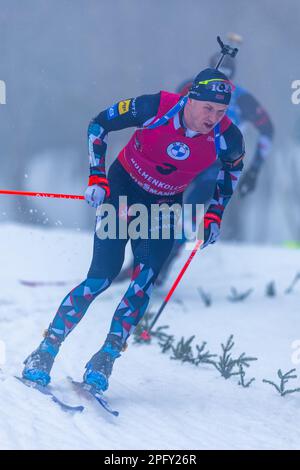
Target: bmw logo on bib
<point x="178" y="151"/>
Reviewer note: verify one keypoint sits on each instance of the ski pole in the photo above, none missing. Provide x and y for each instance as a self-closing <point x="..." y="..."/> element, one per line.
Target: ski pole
<point x="146" y="333"/>
<point x="35" y="194"/>
<point x="226" y="49"/>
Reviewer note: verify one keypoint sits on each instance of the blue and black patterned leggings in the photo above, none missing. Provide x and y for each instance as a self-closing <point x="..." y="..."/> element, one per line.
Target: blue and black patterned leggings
<point x="108" y="256"/>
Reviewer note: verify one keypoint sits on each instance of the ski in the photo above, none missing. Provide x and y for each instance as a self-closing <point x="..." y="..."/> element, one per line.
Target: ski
<point x="48" y="392"/>
<point x="27" y="283"/>
<point x="90" y="391"/>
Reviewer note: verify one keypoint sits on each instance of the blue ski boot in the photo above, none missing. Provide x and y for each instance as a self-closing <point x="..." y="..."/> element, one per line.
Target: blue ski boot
<point x="39" y="363"/>
<point x="99" y="367"/>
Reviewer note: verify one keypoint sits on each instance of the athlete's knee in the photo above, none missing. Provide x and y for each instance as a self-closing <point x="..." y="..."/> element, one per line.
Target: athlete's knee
<point x="115" y="270"/>
<point x="94" y="285"/>
<point x="144" y="274"/>
<point x="105" y="272"/>
<point x="108" y="266"/>
<point x="107" y="260"/>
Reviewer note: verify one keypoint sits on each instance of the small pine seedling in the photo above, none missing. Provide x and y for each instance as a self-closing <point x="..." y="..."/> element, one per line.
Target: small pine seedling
<point x="203" y="357"/>
<point x="284" y="378"/>
<point x="207" y="300"/>
<point x="236" y="296"/>
<point x="242" y="374"/>
<point x="294" y="282"/>
<point x="166" y="343"/>
<point x="183" y="351"/>
<point x="271" y="289"/>
<point x="227" y="366"/>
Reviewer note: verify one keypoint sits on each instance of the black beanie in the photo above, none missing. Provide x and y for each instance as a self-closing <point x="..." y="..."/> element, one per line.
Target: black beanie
<point x="211" y="85"/>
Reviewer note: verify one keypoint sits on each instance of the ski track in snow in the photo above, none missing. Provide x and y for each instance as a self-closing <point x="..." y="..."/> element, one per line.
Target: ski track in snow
<point x="163" y="404"/>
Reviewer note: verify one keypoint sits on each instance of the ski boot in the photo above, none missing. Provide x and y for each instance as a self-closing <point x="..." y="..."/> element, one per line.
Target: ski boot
<point x="39" y="363"/>
<point x="99" y="367"/>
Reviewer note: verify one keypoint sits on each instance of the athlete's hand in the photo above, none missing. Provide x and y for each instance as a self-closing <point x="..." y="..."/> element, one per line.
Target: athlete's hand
<point x="212" y="223"/>
<point x="247" y="182"/>
<point x="94" y="195"/>
<point x="97" y="190"/>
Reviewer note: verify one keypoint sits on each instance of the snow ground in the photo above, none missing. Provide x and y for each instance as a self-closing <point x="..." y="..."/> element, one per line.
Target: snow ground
<point x="163" y="404"/>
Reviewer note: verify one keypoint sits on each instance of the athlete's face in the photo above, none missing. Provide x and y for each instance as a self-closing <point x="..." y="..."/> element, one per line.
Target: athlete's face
<point x="202" y="116"/>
